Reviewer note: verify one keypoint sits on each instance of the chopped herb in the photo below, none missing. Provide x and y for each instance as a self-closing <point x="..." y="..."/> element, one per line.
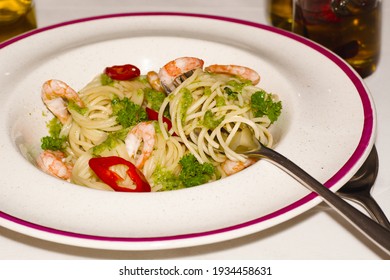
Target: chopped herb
<point x="231" y="94"/>
<point x="73" y="106"/>
<point x="54" y="142"/>
<point x="185" y="103"/>
<point x="194" y="173"/>
<point x="113" y="139"/>
<point x="238" y="86"/>
<point x="166" y="179"/>
<point x="210" y="121"/>
<point x="127" y="112"/>
<point x="105" y="80"/>
<point x="263" y="105"/>
<point x="154" y="98"/>
<point x="143" y="79"/>
<point x="207" y="91"/>
<point x="234" y="88"/>
<point x="54" y="127"/>
<point x="220" y="101"/>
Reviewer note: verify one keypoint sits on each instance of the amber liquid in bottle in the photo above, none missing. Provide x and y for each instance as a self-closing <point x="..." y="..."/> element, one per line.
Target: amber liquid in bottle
<point x="16" y="17"/>
<point x="280" y="13"/>
<point x="353" y="32"/>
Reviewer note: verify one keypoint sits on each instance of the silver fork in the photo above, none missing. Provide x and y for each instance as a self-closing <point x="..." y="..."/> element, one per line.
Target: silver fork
<point x="358" y="189"/>
<point x="374" y="231"/>
<point x="177" y="81"/>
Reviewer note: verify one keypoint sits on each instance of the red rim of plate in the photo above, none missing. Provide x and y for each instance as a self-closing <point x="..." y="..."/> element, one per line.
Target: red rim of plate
<point x="361" y="148"/>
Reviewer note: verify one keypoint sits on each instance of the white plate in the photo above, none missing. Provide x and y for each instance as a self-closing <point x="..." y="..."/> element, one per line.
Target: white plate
<point x="327" y="127"/>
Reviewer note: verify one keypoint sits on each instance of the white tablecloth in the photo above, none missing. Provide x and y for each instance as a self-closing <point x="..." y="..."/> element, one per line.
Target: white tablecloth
<point x="317" y="234"/>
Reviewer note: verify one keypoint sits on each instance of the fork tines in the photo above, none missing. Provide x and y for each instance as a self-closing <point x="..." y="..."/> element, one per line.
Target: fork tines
<point x="178" y="81"/>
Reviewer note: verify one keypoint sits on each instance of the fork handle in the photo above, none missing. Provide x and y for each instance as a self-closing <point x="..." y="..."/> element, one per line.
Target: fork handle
<point x="374" y="231"/>
<point x="365" y="199"/>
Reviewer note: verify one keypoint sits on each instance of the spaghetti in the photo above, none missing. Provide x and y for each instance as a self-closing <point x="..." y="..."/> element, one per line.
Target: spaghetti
<point x="176" y="140"/>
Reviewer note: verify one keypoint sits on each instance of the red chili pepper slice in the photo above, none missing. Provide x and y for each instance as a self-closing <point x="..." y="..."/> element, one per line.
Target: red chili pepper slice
<point x="101" y="165"/>
<point x="153" y="116"/>
<point x="122" y="72"/>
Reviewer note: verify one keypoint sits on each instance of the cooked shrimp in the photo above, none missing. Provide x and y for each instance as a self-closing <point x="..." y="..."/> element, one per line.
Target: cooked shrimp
<point x="54" y="94"/>
<point x="177" y="67"/>
<point x="142" y="132"/>
<point x="154" y="80"/>
<point x="52" y="162"/>
<point x="231" y="167"/>
<point x="236" y="70"/>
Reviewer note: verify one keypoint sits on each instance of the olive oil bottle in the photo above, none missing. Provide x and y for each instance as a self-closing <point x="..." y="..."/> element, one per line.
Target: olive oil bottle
<point x="280" y="13"/>
<point x="16" y="17"/>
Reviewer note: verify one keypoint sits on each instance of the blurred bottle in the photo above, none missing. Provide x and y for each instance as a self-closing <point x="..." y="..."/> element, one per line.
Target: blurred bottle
<point x="350" y="28"/>
<point x="16" y="17"/>
<point x="280" y="13"/>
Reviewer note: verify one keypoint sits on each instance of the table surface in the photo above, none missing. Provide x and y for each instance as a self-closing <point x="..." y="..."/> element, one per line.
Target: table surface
<point x="316" y="234"/>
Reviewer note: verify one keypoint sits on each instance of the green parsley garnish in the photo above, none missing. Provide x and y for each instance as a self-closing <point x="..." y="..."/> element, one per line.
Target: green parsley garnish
<point x="263" y="105"/>
<point x="127" y="112"/>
